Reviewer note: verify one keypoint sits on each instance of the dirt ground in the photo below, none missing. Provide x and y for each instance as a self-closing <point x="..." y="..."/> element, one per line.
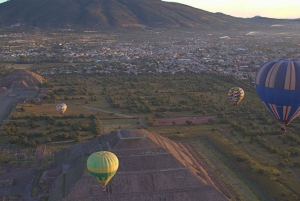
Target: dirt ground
<point x="182" y="120"/>
<point x="22" y="184"/>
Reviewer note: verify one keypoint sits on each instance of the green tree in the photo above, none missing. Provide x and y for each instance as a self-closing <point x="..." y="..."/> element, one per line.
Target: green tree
<point x="188" y="122"/>
<point x="48" y="139"/>
<point x="78" y="138"/>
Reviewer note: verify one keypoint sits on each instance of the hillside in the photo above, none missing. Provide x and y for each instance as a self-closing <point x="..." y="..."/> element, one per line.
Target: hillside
<point x="114" y="13"/>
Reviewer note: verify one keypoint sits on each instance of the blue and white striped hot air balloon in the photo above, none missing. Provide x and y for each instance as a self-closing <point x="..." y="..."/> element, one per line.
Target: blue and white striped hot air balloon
<point x="278" y="86"/>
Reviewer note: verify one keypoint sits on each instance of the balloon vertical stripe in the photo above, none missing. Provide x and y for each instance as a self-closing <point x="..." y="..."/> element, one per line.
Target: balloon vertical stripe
<point x="290" y="79"/>
<point x="272" y="75"/>
<point x="263" y="69"/>
<point x="297" y="72"/>
<point x="274" y="110"/>
<point x="286" y="111"/>
<point x="271" y="110"/>
<point x="269" y="107"/>
<point x="277" y="83"/>
<point x="296" y="114"/>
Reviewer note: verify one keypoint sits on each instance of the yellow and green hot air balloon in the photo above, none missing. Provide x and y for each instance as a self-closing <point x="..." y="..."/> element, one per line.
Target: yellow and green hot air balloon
<point x="103" y="165"/>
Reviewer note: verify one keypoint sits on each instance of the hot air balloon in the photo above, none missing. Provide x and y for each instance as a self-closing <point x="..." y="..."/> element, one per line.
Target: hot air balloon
<point x="103" y="165"/>
<point x="278" y="86"/>
<point x="61" y="108"/>
<point x="236" y="94"/>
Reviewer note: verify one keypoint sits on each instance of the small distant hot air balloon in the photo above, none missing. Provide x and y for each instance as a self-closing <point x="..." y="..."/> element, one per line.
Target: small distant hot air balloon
<point x="236" y="94"/>
<point x="103" y="165"/>
<point x="61" y="108"/>
<point x="278" y="86"/>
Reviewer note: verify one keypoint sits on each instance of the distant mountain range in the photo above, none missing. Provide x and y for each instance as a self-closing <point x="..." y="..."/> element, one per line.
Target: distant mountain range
<point x="118" y="13"/>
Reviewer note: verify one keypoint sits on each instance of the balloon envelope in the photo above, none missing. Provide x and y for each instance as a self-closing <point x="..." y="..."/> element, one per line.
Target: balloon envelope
<point x="236" y="94"/>
<point x="277" y="83"/>
<point x="61" y="108"/>
<point x="103" y="166"/>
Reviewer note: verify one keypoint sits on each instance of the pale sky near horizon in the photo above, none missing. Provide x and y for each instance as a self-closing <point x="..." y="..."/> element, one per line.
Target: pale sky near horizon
<point x="246" y="8"/>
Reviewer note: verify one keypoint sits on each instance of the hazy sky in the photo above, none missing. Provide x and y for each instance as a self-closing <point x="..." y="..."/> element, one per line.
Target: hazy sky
<point x="246" y="8"/>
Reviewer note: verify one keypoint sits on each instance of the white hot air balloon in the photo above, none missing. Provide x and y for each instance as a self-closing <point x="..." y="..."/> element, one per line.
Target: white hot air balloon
<point x="61" y="108"/>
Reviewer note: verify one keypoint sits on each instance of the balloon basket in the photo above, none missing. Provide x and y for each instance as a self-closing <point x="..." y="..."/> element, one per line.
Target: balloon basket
<point x="282" y="129"/>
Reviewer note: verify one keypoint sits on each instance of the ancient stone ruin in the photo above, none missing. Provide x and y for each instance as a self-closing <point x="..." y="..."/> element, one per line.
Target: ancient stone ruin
<point x="151" y="168"/>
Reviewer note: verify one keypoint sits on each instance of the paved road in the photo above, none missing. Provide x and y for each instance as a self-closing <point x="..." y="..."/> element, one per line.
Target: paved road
<point x="9" y="101"/>
<point x="5" y="103"/>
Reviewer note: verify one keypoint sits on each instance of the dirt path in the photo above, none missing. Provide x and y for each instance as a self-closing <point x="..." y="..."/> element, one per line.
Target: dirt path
<point x="39" y="155"/>
<point x="142" y="122"/>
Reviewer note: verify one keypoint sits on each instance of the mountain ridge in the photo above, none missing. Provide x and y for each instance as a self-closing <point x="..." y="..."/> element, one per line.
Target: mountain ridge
<point x="116" y="13"/>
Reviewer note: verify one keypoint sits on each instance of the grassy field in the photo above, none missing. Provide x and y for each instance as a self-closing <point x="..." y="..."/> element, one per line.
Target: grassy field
<point x="50" y="109"/>
<point x="226" y="173"/>
<point x="115" y="124"/>
<point x="269" y="163"/>
<point x="55" y="147"/>
<point x="100" y="103"/>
